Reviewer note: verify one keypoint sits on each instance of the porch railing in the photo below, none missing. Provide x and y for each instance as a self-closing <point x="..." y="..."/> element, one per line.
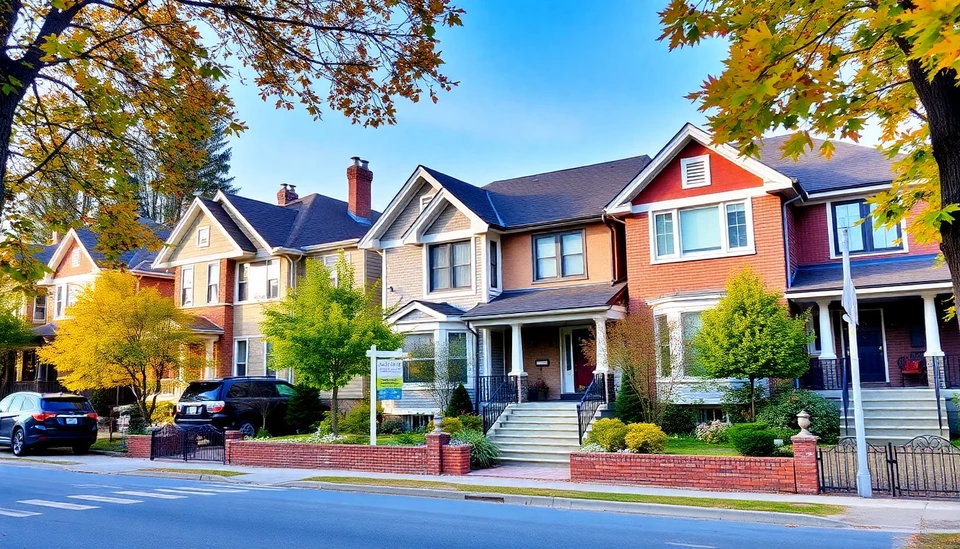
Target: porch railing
<point x="32" y="386"/>
<point x="593" y="397"/>
<point x="951" y="371"/>
<point x="495" y="394"/>
<point x="828" y="374"/>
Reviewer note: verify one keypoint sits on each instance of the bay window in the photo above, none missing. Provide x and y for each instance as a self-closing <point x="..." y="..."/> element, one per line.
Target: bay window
<point x="864" y="235"/>
<point x="559" y="255"/>
<point x="709" y="230"/>
<point x="450" y="266"/>
<point x="690" y="324"/>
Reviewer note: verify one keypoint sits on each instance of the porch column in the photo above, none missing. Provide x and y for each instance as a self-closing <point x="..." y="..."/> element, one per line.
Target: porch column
<point x="602" y="359"/>
<point x="828" y="350"/>
<point x="931" y="327"/>
<point x="516" y="361"/>
<point x="486" y="367"/>
<point x="209" y="368"/>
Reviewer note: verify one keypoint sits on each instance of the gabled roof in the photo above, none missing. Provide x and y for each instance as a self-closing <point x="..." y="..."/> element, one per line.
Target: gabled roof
<point x="850" y="166"/>
<point x="203" y="325"/>
<point x="139" y="260"/>
<point x="229" y="225"/>
<point x="439" y="311"/>
<point x="541" y="300"/>
<point x="474" y="198"/>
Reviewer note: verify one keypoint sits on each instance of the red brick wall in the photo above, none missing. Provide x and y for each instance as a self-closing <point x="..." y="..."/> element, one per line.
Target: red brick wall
<point x="221" y="315"/>
<point x="738" y="474"/>
<point x="163" y="285"/>
<point x="348" y="457"/>
<point x="724" y="176"/>
<point x="647" y="281"/>
<point x="138" y="446"/>
<point x="814" y="246"/>
<point x="456" y="459"/>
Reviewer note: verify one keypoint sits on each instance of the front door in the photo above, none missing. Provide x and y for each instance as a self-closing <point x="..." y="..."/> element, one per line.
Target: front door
<point x="576" y="367"/>
<point x="873" y="364"/>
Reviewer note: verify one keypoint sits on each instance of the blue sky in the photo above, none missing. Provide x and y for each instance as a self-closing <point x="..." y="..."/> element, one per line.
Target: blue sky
<point x="544" y="85"/>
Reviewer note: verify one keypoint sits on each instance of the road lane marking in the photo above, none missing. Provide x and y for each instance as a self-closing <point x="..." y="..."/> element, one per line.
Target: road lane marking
<point x="213" y="490"/>
<point x="149" y="495"/>
<point x="58" y="504"/>
<point x="675" y="544"/>
<point x="17" y="513"/>
<point x="188" y="492"/>
<point x="263" y="488"/>
<point x="105" y="499"/>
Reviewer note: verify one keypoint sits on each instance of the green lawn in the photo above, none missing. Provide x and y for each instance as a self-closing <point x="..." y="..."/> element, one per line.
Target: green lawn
<point x="934" y="541"/>
<point x="690" y="446"/>
<point x="216" y="472"/>
<point x="818" y="509"/>
<point x="956" y="442"/>
<point x="107" y="445"/>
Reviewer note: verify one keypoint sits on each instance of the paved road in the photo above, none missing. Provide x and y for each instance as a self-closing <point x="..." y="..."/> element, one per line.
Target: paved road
<point x="44" y="508"/>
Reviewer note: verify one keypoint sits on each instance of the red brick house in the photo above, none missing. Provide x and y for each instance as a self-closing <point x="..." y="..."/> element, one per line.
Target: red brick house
<point x="700" y="212"/>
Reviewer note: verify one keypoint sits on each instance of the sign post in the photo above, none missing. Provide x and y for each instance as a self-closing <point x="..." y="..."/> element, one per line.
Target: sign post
<point x="849" y="302"/>
<point x="386" y="381"/>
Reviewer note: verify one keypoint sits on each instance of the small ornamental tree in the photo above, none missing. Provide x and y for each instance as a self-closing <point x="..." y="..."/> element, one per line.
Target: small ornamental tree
<point x="751" y="335"/>
<point x="120" y="336"/>
<point x="323" y="330"/>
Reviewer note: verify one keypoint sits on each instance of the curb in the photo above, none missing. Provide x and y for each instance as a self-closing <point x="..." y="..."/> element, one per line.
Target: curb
<point x="181" y="476"/>
<point x="574" y="504"/>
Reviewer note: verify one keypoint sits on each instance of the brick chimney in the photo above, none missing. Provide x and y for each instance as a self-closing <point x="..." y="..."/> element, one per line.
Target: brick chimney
<point x="359" y="178"/>
<point x="286" y="194"/>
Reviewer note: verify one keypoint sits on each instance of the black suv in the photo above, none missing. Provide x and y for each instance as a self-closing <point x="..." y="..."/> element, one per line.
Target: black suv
<point x="235" y="403"/>
<point x="47" y="420"/>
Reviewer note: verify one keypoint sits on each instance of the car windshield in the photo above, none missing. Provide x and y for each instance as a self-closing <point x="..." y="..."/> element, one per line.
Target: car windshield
<point x="66" y="405"/>
<point x="201" y="392"/>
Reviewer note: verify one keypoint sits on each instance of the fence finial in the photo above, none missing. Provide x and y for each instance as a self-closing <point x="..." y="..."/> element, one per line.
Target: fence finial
<point x="437" y="422"/>
<point x="803" y="420"/>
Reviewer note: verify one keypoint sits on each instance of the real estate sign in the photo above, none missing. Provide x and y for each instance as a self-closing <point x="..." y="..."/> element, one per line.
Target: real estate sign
<point x="389" y="379"/>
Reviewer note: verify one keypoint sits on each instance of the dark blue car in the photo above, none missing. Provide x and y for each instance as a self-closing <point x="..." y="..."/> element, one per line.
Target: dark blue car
<point x="47" y="420"/>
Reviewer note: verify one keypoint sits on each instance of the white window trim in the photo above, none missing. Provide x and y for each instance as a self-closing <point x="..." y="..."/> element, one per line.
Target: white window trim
<point x="499" y="286"/>
<point x="835" y="254"/>
<point x="250" y="299"/>
<point x="75" y="257"/>
<point x="265" y="357"/>
<point x="203" y="236"/>
<point x="45" y="304"/>
<point x="724" y="251"/>
<point x="246" y="358"/>
<point x="183" y="278"/>
<point x="60" y="301"/>
<point x="439" y="332"/>
<point x="453" y="292"/>
<point x="674" y="313"/>
<point x="557" y="236"/>
<point x="705" y="158"/>
<point x="207" y="295"/>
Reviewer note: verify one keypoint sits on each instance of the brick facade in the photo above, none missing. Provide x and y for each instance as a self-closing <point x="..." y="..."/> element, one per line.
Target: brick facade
<point x="724" y="176"/>
<point x="138" y="446"/>
<point x="221" y="315"/>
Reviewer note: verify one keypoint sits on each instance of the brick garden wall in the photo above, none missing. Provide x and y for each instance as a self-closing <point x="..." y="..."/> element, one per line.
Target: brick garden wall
<point x="348" y="457"/>
<point x="138" y="446"/>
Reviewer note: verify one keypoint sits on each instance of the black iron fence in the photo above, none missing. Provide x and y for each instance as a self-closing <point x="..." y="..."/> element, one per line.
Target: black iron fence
<point x="926" y="466"/>
<point x="496" y="393"/>
<point x="201" y="443"/>
<point x="950" y="371"/>
<point x="593" y="397"/>
<point x="827" y="374"/>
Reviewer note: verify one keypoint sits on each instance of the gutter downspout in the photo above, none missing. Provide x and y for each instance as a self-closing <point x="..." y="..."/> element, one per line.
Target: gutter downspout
<point x="614" y="252"/>
<point x="786" y="238"/>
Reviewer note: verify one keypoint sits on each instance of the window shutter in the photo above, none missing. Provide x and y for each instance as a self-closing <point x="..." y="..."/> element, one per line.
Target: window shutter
<point x="695" y="172"/>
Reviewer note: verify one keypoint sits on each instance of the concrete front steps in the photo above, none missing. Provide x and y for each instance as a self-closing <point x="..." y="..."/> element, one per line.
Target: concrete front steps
<point x="542" y="433"/>
<point x="896" y="415"/>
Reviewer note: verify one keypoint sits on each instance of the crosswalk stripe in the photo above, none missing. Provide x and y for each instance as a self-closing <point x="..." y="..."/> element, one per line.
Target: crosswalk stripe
<point x="58" y="504"/>
<point x="213" y="490"/>
<point x="149" y="495"/>
<point x="264" y="488"/>
<point x="105" y="499"/>
<point x="188" y="492"/>
<point x="17" y="513"/>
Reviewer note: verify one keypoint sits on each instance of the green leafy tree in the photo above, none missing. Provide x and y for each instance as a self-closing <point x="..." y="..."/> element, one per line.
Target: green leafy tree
<point x="829" y="67"/>
<point x="751" y="335"/>
<point x="323" y="330"/>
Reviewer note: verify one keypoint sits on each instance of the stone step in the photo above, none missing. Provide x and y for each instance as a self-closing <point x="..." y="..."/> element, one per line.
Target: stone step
<point x="533" y="433"/>
<point x="523" y="412"/>
<point x="535" y="460"/>
<point x="895" y="419"/>
<point x="532" y="455"/>
<point x="509" y="436"/>
<point x="899" y="395"/>
<point x="535" y="443"/>
<point x="539" y="422"/>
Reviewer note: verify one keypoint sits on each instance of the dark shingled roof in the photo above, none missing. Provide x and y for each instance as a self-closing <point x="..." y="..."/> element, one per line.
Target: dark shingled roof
<point x="869" y="273"/>
<point x="140" y="259"/>
<point x="44" y="254"/>
<point x="850" y="166"/>
<point x="47" y="330"/>
<point x="442" y="307"/>
<point x="205" y="325"/>
<point x="309" y="221"/>
<point x="563" y="195"/>
<point x="538" y="300"/>
<point x="229" y="225"/>
<point x="475" y="198"/>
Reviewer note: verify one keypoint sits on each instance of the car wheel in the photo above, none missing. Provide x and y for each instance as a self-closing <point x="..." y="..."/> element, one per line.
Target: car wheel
<point x="247" y="429"/>
<point x="18" y="443"/>
<point x="81" y="449"/>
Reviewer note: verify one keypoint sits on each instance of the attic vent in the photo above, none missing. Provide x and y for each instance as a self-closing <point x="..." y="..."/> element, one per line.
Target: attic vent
<point x="695" y="172"/>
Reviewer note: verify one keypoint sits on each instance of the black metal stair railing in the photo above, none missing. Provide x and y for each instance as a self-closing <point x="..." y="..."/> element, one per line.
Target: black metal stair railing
<point x="593" y="397"/>
<point x="496" y="393"/>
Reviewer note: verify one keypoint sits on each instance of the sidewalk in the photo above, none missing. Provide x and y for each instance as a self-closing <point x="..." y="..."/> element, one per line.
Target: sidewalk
<point x="912" y="515"/>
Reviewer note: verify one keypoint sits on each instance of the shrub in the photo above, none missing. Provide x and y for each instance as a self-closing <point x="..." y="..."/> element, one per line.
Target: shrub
<point x="304" y="408"/>
<point x="645" y="438"/>
<point x="163" y="413"/>
<point x="592" y="447"/>
<point x="408" y="439"/>
<point x="610" y="434"/>
<point x="393" y="426"/>
<point x="262" y="434"/>
<point x="714" y="432"/>
<point x="450" y="425"/>
<point x="472" y="422"/>
<point x="136" y="425"/>
<point x="752" y="439"/>
<point x="678" y="420"/>
<point x="629" y="407"/>
<point x="781" y="412"/>
<point x="357" y="420"/>
<point x="460" y="402"/>
<point x="483" y="453"/>
<point x="102" y="400"/>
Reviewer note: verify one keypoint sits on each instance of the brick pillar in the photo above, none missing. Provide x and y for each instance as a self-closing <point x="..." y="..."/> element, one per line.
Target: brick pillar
<point x="435" y="444"/>
<point x="229" y="437"/>
<point x="805" y="464"/>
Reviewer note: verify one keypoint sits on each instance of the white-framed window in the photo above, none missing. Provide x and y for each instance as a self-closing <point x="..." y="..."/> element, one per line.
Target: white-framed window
<point x="186" y="286"/>
<point x="450" y="266"/>
<point x="60" y="303"/>
<point x="457" y="356"/>
<point x="268" y="366"/>
<point x="40" y="308"/>
<point x="559" y="255"/>
<point x="75" y="257"/>
<point x="709" y="230"/>
<point x="72" y="292"/>
<point x="863" y="236"/>
<point x="419" y="367"/>
<point x="695" y="171"/>
<point x="213" y="282"/>
<point x="258" y="280"/>
<point x="203" y="237"/>
<point x="690" y="324"/>
<point x="241" y="353"/>
<point x="330" y="262"/>
<point x="494" y="264"/>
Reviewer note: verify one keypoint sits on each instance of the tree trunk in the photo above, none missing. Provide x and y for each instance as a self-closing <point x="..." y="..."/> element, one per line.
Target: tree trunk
<point x="8" y="107"/>
<point x="941" y="101"/>
<point x="334" y="409"/>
